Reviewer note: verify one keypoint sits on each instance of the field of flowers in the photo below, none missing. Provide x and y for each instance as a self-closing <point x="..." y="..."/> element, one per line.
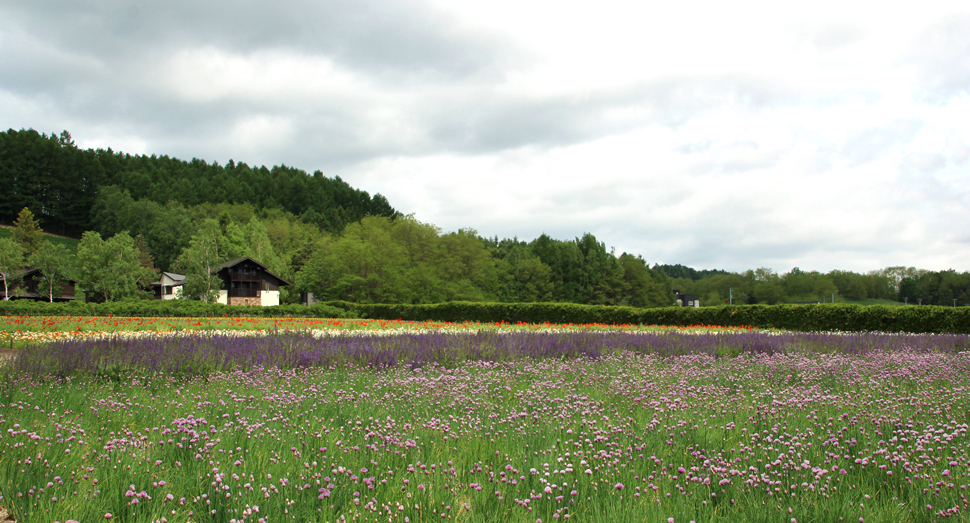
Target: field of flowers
<point x="49" y="328"/>
<point x="490" y="425"/>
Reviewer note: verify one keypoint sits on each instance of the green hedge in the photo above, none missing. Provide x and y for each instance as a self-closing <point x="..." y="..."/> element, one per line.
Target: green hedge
<point x="839" y="317"/>
<point x="167" y="308"/>
<point x="856" y="318"/>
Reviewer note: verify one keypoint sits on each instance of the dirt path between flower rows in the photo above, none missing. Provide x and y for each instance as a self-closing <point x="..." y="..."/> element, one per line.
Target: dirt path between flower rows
<point x="4" y="355"/>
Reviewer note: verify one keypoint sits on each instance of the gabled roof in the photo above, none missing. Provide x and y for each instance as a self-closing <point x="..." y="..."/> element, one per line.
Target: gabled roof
<point x="232" y="263"/>
<point x="30" y="271"/>
<point x="177" y="279"/>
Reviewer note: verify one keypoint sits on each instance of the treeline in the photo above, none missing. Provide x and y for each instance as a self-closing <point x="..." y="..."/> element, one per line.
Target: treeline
<point x="382" y="260"/>
<point x="765" y="286"/>
<point x="60" y="183"/>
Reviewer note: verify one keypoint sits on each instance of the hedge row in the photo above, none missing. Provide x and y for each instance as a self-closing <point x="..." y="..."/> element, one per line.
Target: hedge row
<point x="167" y="308"/>
<point x="836" y="317"/>
<point x="856" y="318"/>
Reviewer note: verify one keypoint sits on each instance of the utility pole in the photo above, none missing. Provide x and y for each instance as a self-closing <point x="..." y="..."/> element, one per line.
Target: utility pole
<point x="730" y="295"/>
<point x="906" y="300"/>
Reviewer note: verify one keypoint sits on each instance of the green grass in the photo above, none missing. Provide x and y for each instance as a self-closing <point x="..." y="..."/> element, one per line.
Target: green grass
<point x="274" y="439"/>
<point x="70" y="243"/>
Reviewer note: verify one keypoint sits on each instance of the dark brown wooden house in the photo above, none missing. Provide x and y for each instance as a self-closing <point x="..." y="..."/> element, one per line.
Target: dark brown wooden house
<point x="245" y="281"/>
<point x="27" y="281"/>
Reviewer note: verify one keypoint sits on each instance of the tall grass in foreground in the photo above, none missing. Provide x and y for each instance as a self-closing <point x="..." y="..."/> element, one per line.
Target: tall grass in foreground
<point x="551" y="427"/>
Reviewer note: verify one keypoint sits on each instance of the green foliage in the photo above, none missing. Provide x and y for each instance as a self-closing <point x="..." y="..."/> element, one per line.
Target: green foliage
<point x="682" y="271"/>
<point x="167" y="229"/>
<point x="69" y="243"/>
<point x="380" y="260"/>
<point x="48" y="172"/>
<point x="642" y="287"/>
<point x="54" y="263"/>
<point x="583" y="271"/>
<point x="27" y="232"/>
<point x="11" y="260"/>
<point x="111" y="270"/>
<point x="530" y="279"/>
<point x="836" y="317"/>
<point x="200" y="261"/>
<point x="168" y="308"/>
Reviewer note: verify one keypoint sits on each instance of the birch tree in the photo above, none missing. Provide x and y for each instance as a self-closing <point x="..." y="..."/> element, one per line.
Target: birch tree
<point x="54" y="262"/>
<point x="199" y="262"/>
<point x="11" y="261"/>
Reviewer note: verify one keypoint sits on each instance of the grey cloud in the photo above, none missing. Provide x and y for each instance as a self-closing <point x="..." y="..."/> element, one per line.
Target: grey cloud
<point x="388" y="39"/>
<point x="487" y="121"/>
<point x="98" y="61"/>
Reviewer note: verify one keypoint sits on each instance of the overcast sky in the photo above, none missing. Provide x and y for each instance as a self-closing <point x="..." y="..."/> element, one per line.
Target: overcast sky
<point x="730" y="135"/>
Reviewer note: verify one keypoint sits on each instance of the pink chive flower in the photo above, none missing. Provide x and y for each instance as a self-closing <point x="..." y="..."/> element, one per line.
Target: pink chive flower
<point x="619" y="486"/>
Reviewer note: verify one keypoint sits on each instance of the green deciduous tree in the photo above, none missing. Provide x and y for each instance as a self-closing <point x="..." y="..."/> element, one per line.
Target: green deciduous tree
<point x="199" y="262"/>
<point x="259" y="247"/>
<point x="380" y="260"/>
<point x="112" y="269"/>
<point x="54" y="263"/>
<point x="769" y="292"/>
<point x="11" y="261"/>
<point x="643" y="287"/>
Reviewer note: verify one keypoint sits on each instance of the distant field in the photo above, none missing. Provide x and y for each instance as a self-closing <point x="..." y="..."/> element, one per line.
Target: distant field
<point x="69" y="243"/>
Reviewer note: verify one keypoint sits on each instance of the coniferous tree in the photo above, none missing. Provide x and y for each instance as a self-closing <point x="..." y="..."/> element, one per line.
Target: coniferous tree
<point x="27" y="232"/>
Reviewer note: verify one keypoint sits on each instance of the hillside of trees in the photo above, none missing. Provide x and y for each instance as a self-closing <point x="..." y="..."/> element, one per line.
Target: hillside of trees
<point x="60" y="183"/>
<point x="138" y="215"/>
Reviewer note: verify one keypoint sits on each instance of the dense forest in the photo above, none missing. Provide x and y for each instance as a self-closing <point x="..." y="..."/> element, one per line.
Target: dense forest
<point x="138" y="215"/>
<point x="60" y="183"/>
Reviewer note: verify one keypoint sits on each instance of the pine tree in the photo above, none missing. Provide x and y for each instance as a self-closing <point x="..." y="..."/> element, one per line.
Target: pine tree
<point x="27" y="232"/>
